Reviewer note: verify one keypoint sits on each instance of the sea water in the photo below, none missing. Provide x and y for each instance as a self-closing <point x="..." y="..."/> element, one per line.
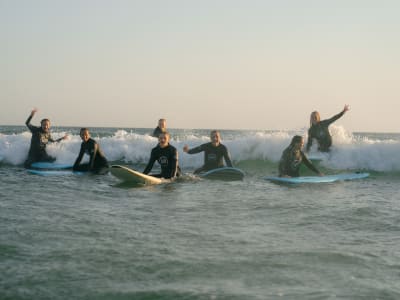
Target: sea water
<point x="86" y="237"/>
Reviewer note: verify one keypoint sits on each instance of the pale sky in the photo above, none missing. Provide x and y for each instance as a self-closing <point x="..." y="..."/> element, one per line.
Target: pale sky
<point x="224" y="64"/>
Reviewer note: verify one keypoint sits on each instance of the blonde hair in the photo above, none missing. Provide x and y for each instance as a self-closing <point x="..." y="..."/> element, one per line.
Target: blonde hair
<point x="314" y="117"/>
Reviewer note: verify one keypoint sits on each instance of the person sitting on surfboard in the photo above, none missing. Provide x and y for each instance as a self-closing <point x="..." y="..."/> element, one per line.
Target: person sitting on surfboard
<point x="162" y="127"/>
<point x="214" y="153"/>
<point x="319" y="130"/>
<point x="98" y="163"/>
<point x="40" y="137"/>
<point x="292" y="157"/>
<point x="167" y="157"/>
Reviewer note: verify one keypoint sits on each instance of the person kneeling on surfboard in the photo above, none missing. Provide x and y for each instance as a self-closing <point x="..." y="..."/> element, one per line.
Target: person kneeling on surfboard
<point x="292" y="157"/>
<point x="40" y="137"/>
<point x="98" y="163"/>
<point x="214" y="153"/>
<point x="167" y="157"/>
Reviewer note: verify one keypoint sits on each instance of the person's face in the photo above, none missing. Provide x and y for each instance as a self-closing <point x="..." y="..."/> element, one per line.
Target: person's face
<point x="85" y="135"/>
<point x="163" y="140"/>
<point x="162" y="123"/>
<point x="300" y="144"/>
<point x="215" y="138"/>
<point x="45" y="126"/>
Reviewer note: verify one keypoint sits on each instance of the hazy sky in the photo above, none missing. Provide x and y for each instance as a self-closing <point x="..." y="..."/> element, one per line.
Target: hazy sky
<point x="201" y="64"/>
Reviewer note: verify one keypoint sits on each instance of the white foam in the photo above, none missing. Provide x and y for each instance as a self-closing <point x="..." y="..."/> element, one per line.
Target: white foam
<point x="348" y="152"/>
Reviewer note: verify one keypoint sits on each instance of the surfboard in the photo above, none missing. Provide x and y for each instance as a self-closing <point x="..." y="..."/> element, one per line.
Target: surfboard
<point x="126" y="174"/>
<point x="50" y="166"/>
<point x="54" y="172"/>
<point x="224" y="173"/>
<point x="317" y="179"/>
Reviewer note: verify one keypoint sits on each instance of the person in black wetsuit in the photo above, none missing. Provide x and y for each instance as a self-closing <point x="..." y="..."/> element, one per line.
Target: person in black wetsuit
<point x="98" y="163"/>
<point x="40" y="138"/>
<point x="162" y="127"/>
<point x="214" y="153"/>
<point x="167" y="157"/>
<point x="319" y="130"/>
<point x="293" y="157"/>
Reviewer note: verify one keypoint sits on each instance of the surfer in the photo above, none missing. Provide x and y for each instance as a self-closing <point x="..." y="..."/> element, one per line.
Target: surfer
<point x="40" y="138"/>
<point x="292" y="157"/>
<point x="162" y="127"/>
<point x="167" y="157"/>
<point x="319" y="130"/>
<point x="214" y="153"/>
<point x="98" y="163"/>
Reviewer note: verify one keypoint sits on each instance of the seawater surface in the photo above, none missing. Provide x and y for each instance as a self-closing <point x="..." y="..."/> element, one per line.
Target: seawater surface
<point x="86" y="237"/>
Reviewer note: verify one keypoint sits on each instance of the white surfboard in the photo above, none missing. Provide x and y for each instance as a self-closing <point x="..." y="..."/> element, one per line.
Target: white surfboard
<point x="317" y="179"/>
<point x="128" y="175"/>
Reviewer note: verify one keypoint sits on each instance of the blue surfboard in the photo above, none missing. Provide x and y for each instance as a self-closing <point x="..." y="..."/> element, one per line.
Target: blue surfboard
<point x="50" y="166"/>
<point x="224" y="173"/>
<point x="53" y="172"/>
<point x="317" y="179"/>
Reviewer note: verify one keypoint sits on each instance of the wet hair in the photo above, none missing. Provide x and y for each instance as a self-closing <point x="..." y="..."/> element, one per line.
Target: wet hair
<point x="215" y="132"/>
<point x="166" y="133"/>
<point x="44" y="120"/>
<point x="314" y="115"/>
<point x="296" y="139"/>
<point x="83" y="129"/>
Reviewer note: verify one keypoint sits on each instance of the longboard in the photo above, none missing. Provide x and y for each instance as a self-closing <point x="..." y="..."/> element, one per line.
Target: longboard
<point x="224" y="173"/>
<point x="126" y="174"/>
<point x="317" y="179"/>
<point x="50" y="166"/>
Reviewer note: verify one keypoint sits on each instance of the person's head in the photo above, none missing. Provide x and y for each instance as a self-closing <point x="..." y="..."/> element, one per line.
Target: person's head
<point x="215" y="137"/>
<point x="45" y="124"/>
<point x="84" y="133"/>
<point x="163" y="139"/>
<point x="162" y="123"/>
<point x="297" y="142"/>
<point x="314" y="118"/>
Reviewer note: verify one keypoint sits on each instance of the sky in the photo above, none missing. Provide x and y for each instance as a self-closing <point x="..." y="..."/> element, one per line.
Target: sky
<point x="223" y="64"/>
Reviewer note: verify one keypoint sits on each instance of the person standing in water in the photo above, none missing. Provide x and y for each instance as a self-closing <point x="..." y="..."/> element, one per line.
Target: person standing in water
<point x="292" y="157"/>
<point x="214" y="153"/>
<point x="98" y="163"/>
<point x="162" y="127"/>
<point x="167" y="157"/>
<point x="319" y="130"/>
<point x="40" y="138"/>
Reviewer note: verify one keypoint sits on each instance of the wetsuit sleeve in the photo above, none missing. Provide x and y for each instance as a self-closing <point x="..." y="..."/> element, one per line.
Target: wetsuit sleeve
<point x="174" y="164"/>
<point x="227" y="158"/>
<point x="79" y="158"/>
<point x="93" y="153"/>
<point x="150" y="163"/>
<point x="29" y="125"/>
<point x="308" y="163"/>
<point x="197" y="149"/>
<point x="333" y="119"/>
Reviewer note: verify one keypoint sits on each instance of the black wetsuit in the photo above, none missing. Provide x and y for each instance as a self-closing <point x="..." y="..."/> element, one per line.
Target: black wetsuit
<point x="213" y="156"/>
<point x="97" y="164"/>
<point x="291" y="160"/>
<point x="39" y="140"/>
<point x="157" y="131"/>
<point x="320" y="132"/>
<point x="167" y="157"/>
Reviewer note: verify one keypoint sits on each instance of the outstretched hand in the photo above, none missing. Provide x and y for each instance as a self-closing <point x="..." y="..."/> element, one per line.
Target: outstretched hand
<point x="185" y="148"/>
<point x="34" y="111"/>
<point x="346" y="108"/>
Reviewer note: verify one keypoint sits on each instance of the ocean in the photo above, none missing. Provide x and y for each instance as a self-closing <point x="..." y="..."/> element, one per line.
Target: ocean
<point x="86" y="237"/>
